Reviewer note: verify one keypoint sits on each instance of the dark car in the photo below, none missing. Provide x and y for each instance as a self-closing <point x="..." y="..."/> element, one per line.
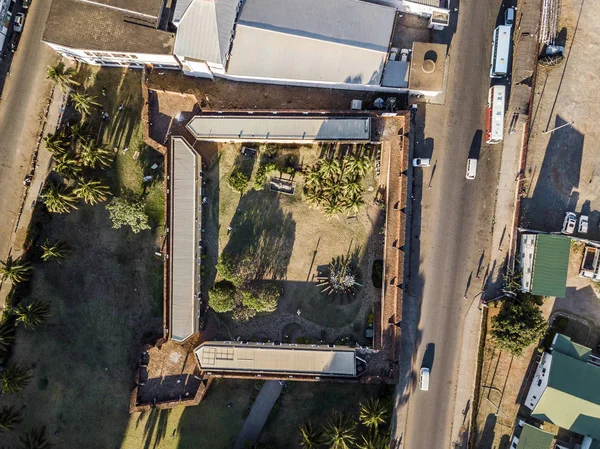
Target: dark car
<point x="26" y="4"/>
<point x="14" y="41"/>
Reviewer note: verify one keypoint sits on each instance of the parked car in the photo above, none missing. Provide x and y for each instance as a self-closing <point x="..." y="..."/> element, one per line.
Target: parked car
<point x="26" y="4"/>
<point x="14" y="41"/>
<point x="583" y="224"/>
<point x="19" y="21"/>
<point x="509" y="16"/>
<point x="404" y="54"/>
<point x="421" y="162"/>
<point x="569" y="223"/>
<point x="424" y="379"/>
<point x="393" y="53"/>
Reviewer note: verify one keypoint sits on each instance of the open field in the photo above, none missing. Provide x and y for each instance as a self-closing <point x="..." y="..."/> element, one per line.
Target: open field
<point x="289" y="241"/>
<point x="316" y="402"/>
<point x="105" y="297"/>
<point x="213" y="424"/>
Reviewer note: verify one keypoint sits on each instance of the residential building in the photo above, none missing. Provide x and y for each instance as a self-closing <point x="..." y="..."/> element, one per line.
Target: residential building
<point x="527" y="436"/>
<point x="564" y="390"/>
<point x="544" y="262"/>
<point x="117" y="33"/>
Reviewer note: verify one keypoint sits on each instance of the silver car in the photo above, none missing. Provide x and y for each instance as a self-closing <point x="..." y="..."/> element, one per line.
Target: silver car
<point x="569" y="223"/>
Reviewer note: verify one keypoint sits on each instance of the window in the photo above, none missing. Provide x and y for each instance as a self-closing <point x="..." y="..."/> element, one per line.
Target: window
<point x="539" y="383"/>
<point x="119" y="55"/>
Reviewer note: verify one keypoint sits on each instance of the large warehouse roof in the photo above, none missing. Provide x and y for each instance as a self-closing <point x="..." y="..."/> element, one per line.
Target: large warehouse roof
<point x="280" y="128"/>
<point x="183" y="260"/>
<point x="282" y="359"/>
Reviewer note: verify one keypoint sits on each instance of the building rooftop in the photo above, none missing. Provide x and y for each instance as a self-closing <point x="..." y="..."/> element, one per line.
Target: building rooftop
<point x="564" y="345"/>
<point x="533" y="438"/>
<point x="338" y="41"/>
<point x="183" y="259"/>
<point x="107" y="27"/>
<point x="551" y="264"/>
<point x="151" y="8"/>
<point x="427" y="67"/>
<point x="285" y="359"/>
<point x="572" y="398"/>
<point x="205" y="29"/>
<point x="280" y="128"/>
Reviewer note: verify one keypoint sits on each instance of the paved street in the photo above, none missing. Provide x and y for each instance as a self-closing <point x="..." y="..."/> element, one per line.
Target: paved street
<point x="23" y="99"/>
<point x="451" y="243"/>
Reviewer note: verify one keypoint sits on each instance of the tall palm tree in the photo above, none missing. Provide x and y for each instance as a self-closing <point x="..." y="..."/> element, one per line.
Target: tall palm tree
<point x="59" y="198"/>
<point x="372" y="413"/>
<point x="32" y="314"/>
<point x="91" y="191"/>
<point x="339" y="432"/>
<point x="309" y="436"/>
<point x="35" y="439"/>
<point x="14" y="378"/>
<point x="62" y="76"/>
<point x="15" y="270"/>
<point x="56" y="145"/>
<point x="358" y="166"/>
<point x="9" y="416"/>
<point x="373" y="440"/>
<point x="7" y="336"/>
<point x="93" y="155"/>
<point x="57" y="250"/>
<point x="67" y="166"/>
<point x="352" y="188"/>
<point x="84" y="103"/>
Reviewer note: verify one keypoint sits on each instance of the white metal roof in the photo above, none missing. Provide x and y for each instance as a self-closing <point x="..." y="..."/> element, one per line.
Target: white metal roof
<point x="501" y="51"/>
<point x="497" y="103"/>
<point x="280" y="128"/>
<point x="270" y="359"/>
<point x="527" y="251"/>
<point x="183" y="232"/>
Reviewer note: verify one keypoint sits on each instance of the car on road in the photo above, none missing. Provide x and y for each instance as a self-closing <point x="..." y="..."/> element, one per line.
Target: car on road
<point x="19" y="21"/>
<point x="424" y="379"/>
<point x="26" y="4"/>
<point x="583" y="224"/>
<point x="569" y="223"/>
<point x="509" y="16"/>
<point x="471" y="168"/>
<point x="421" y="162"/>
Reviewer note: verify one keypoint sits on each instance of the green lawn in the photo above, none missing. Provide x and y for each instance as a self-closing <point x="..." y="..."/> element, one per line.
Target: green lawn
<point x="213" y="424"/>
<point x="105" y="298"/>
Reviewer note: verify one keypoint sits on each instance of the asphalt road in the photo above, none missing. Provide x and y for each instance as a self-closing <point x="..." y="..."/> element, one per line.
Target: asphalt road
<point x="24" y="95"/>
<point x="450" y="245"/>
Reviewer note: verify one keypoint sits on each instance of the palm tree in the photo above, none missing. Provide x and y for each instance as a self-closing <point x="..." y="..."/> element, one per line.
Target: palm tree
<point x="352" y="188"/>
<point x="309" y="436"/>
<point x="59" y="198"/>
<point x="94" y="156"/>
<point x="332" y="208"/>
<point x="354" y="202"/>
<point x="56" y="145"/>
<point x="84" y="103"/>
<point x="372" y="414"/>
<point x="33" y="314"/>
<point x="373" y="441"/>
<point x="15" y="270"/>
<point x="15" y="378"/>
<point x="67" y="166"/>
<point x="358" y="166"/>
<point x="313" y="179"/>
<point x="57" y="250"/>
<point x="35" y="439"/>
<point x="91" y="191"/>
<point x="7" y="336"/>
<point x="62" y="76"/>
<point x="9" y="416"/>
<point x="339" y="432"/>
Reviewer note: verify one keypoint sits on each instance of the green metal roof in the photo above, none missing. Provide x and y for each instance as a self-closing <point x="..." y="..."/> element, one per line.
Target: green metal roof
<point x="550" y="265"/>
<point x="534" y="438"/>
<point x="564" y="345"/>
<point x="572" y="398"/>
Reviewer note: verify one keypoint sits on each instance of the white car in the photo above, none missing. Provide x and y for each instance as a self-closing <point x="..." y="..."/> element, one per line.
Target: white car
<point x="583" y="224"/>
<point x="404" y="54"/>
<point x="421" y="162"/>
<point x="424" y="379"/>
<point x="569" y="223"/>
<point x="19" y="21"/>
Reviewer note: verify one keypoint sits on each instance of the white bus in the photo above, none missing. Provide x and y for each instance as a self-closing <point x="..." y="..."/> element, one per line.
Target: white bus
<point x="494" y="129"/>
<point x="500" y="51"/>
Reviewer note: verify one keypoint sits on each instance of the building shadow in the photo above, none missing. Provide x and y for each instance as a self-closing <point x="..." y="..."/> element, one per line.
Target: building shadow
<point x="559" y="175"/>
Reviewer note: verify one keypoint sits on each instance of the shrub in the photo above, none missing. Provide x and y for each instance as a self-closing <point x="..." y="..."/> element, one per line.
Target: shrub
<point x="238" y="181"/>
<point x="221" y="298"/>
<point x="228" y="269"/>
<point x="261" y="174"/>
<point x="377" y="273"/>
<point x="262" y="299"/>
<point x="126" y="210"/>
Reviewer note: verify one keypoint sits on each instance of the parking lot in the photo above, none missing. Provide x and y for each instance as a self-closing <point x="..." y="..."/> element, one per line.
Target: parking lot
<point x="563" y="167"/>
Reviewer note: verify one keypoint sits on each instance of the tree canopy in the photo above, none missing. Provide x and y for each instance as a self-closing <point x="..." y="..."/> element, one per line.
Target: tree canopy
<point x="126" y="210"/>
<point x="264" y="298"/>
<point x="221" y="298"/>
<point x="519" y="324"/>
<point x="238" y="181"/>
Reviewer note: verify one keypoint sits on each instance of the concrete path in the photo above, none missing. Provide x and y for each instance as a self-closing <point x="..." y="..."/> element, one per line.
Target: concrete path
<point x="259" y="413"/>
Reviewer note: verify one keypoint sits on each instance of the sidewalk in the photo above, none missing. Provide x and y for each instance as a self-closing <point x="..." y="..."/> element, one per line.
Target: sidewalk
<point x="39" y="169"/>
<point x="259" y="413"/>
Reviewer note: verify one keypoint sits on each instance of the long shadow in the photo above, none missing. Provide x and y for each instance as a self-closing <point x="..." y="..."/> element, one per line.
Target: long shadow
<point x="559" y="175"/>
<point x="156" y="428"/>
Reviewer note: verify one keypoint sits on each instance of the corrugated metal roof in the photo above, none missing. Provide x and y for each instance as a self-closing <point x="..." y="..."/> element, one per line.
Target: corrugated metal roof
<point x="280" y="128"/>
<point x="396" y="74"/>
<point x="205" y="30"/>
<point x="551" y="264"/>
<point x="534" y="438"/>
<point x="282" y="359"/>
<point x="572" y="405"/>
<point x="184" y="212"/>
<point x="267" y="55"/>
<point x="564" y="345"/>
<point x="348" y="22"/>
<point x="434" y="3"/>
<point x="180" y="7"/>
